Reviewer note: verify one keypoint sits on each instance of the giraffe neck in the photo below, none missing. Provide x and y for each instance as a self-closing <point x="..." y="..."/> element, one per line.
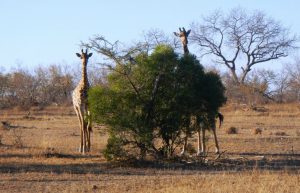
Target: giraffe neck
<point x="84" y="77"/>
<point x="185" y="50"/>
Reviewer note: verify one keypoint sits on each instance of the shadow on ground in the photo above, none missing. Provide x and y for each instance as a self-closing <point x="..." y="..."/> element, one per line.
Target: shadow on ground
<point x="227" y="162"/>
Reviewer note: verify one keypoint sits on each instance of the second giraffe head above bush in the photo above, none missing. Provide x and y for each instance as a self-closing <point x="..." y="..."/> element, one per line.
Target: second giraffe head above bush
<point x="184" y="38"/>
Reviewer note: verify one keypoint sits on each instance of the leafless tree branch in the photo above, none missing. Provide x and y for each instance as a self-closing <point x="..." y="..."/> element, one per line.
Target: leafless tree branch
<point x="243" y="39"/>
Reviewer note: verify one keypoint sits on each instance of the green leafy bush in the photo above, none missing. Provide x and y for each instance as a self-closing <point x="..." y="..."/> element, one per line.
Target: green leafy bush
<point x="148" y="105"/>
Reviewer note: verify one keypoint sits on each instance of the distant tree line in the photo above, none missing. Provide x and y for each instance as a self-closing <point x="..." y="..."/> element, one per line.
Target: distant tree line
<point x="266" y="85"/>
<point x="54" y="85"/>
<point x="43" y="86"/>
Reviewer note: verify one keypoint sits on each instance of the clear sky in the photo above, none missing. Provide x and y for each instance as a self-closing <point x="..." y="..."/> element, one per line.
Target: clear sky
<point x="36" y="32"/>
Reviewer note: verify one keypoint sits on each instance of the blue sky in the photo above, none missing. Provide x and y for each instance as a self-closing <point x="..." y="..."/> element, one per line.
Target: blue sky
<point x="35" y="32"/>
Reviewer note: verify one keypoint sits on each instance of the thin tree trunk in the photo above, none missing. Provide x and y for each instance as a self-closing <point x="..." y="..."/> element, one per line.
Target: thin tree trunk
<point x="234" y="75"/>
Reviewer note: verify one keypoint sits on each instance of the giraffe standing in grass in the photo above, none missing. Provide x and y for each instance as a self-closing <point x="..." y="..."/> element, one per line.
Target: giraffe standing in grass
<point x="80" y="103"/>
<point x="207" y="122"/>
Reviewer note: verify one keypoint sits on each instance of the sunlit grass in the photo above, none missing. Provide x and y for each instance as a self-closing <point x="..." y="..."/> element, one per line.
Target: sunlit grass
<point x="49" y="161"/>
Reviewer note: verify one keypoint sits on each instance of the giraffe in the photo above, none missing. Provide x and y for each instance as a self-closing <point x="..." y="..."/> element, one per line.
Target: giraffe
<point x="206" y="122"/>
<point x="210" y="125"/>
<point x="184" y="39"/>
<point x="80" y="104"/>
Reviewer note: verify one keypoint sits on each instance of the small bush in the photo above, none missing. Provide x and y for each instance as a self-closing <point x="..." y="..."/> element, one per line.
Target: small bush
<point x="232" y="130"/>
<point x="257" y="131"/>
<point x="114" y="150"/>
<point x="18" y="139"/>
<point x="48" y="152"/>
<point x="5" y="125"/>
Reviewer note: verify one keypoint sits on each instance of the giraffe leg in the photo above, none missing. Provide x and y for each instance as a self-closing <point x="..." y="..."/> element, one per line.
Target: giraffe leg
<point x="216" y="140"/>
<point x="203" y="141"/>
<point x="82" y="132"/>
<point x="89" y="129"/>
<point x="184" y="145"/>
<point x="77" y="111"/>
<point x="199" y="142"/>
<point x="84" y="138"/>
<point x="81" y="141"/>
<point x="88" y="139"/>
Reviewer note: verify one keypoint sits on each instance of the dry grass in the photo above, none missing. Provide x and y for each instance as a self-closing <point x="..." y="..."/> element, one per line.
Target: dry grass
<point x="48" y="160"/>
<point x="162" y="181"/>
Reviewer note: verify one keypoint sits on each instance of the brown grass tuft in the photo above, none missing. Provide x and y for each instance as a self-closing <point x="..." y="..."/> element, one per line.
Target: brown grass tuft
<point x="257" y="131"/>
<point x="18" y="139"/>
<point x="280" y="133"/>
<point x="232" y="130"/>
<point x="48" y="153"/>
<point x="5" y="125"/>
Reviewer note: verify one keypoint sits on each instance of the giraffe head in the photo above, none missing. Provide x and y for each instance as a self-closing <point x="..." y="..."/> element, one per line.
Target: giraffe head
<point x="84" y="56"/>
<point x="183" y="35"/>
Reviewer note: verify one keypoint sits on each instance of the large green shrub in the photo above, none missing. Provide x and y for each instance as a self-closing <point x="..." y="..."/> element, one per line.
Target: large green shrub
<point x="147" y="106"/>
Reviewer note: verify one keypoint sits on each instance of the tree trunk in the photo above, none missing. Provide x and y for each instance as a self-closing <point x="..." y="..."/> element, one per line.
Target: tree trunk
<point x="234" y="75"/>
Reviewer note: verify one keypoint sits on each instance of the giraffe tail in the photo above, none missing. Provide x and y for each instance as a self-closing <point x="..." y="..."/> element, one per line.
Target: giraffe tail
<point x="90" y="128"/>
<point x="221" y="118"/>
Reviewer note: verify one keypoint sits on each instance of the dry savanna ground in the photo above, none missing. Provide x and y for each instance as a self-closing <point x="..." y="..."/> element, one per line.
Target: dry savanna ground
<point x="39" y="153"/>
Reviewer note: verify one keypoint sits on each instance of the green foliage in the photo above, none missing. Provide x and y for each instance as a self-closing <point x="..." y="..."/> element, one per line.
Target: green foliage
<point x="114" y="150"/>
<point x="213" y="91"/>
<point x="153" y="100"/>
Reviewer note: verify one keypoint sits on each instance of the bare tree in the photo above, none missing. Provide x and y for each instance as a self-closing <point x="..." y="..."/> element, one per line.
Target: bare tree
<point x="119" y="53"/>
<point x="259" y="87"/>
<point x="242" y="40"/>
<point x="292" y="89"/>
<point x="22" y="89"/>
<point x="260" y="83"/>
<point x="154" y="37"/>
<point x="4" y="85"/>
<point x="282" y="85"/>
